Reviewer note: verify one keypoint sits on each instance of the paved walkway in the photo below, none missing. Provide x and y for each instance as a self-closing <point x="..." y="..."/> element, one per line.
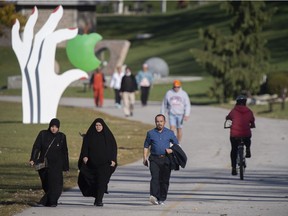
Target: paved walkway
<point x="205" y="186"/>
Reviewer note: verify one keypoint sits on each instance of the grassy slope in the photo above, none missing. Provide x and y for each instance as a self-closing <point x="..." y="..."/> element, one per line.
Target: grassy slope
<point x="176" y="33"/>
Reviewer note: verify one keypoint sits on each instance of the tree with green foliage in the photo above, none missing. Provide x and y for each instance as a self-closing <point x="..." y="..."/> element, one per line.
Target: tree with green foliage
<point x="8" y="15"/>
<point x="238" y="60"/>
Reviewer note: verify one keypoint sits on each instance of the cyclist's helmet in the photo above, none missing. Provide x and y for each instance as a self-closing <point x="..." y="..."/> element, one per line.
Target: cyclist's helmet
<point x="241" y="100"/>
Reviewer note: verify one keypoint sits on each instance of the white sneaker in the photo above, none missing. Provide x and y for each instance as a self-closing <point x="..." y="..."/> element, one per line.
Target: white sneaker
<point x="161" y="203"/>
<point x="153" y="200"/>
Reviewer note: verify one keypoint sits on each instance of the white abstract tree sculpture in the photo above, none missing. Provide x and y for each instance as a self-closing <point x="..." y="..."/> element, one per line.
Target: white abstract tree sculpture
<point x="41" y="86"/>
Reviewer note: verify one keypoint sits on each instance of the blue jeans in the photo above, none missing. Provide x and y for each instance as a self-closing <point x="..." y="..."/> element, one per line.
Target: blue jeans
<point x="176" y="120"/>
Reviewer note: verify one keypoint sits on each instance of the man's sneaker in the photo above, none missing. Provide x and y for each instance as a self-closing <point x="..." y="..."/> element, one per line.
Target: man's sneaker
<point x="153" y="200"/>
<point x="248" y="153"/>
<point x="117" y="105"/>
<point x="234" y="171"/>
<point x="161" y="203"/>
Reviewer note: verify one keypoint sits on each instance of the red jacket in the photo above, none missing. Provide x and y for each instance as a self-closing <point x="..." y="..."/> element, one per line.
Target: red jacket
<point x="98" y="80"/>
<point x="242" y="121"/>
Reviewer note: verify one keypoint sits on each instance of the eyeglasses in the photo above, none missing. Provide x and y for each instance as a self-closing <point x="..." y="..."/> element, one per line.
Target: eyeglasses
<point x="176" y="87"/>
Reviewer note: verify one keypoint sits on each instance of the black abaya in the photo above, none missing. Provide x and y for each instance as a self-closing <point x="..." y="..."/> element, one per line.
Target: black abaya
<point x="100" y="148"/>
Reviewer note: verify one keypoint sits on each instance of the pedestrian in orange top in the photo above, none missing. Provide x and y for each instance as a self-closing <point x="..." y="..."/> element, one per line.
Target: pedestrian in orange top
<point x="98" y="83"/>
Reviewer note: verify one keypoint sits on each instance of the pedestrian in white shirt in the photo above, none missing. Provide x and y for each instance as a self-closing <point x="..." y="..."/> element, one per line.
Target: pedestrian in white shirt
<point x="176" y="104"/>
<point x="115" y="84"/>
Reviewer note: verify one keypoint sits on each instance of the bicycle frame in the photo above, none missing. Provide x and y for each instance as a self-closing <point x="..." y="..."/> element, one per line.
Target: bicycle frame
<point x="241" y="161"/>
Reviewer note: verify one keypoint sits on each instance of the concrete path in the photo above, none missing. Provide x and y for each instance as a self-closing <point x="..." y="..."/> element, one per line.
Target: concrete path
<point x="205" y="186"/>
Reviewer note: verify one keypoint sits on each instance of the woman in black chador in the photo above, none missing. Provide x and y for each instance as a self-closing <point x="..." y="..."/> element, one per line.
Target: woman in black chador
<point x="97" y="161"/>
<point x="57" y="157"/>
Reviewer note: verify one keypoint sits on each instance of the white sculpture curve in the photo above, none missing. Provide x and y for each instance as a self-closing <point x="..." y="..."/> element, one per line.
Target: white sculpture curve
<point x="41" y="86"/>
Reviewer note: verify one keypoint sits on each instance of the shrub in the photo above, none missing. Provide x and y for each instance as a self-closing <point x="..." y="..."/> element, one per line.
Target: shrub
<point x="276" y="82"/>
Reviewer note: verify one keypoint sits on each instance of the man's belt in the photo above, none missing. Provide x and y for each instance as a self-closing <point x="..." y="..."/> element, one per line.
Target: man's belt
<point x="159" y="156"/>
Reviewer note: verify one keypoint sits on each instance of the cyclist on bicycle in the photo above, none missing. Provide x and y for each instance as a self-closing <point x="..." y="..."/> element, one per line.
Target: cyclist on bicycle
<point x="242" y="121"/>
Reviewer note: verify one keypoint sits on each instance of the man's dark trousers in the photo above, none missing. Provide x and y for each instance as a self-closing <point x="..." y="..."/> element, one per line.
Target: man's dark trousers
<point x="160" y="175"/>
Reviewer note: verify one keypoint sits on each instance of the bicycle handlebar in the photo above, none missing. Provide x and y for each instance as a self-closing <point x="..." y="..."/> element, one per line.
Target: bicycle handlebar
<point x="228" y="124"/>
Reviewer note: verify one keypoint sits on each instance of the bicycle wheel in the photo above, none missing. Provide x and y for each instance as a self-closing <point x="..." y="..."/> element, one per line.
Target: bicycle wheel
<point x="241" y="163"/>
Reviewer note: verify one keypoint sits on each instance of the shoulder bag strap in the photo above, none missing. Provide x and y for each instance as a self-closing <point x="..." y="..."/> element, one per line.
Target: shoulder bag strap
<point x="49" y="147"/>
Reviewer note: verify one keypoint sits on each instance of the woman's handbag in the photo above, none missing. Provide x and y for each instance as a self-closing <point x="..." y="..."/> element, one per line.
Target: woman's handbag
<point x="41" y="165"/>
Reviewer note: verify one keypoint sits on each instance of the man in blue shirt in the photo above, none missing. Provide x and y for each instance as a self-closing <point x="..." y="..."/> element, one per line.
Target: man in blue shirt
<point x="158" y="140"/>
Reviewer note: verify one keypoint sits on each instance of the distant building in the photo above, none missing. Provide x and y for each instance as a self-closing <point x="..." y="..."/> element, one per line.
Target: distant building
<point x="77" y="13"/>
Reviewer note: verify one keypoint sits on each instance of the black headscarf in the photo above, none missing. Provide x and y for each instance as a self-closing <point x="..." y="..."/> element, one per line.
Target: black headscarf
<point x="91" y="130"/>
<point x="98" y="138"/>
<point x="55" y="122"/>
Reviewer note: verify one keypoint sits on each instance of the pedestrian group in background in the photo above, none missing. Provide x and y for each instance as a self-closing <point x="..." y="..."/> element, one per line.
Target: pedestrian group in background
<point x="125" y="86"/>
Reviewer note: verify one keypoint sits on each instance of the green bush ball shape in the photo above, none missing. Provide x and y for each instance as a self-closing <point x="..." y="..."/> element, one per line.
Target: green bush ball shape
<point x="80" y="51"/>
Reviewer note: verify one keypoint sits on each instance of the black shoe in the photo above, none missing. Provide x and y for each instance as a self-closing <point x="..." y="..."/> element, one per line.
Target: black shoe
<point x="38" y="205"/>
<point x="96" y="203"/>
<point x="248" y="153"/>
<point x="234" y="171"/>
<point x="100" y="204"/>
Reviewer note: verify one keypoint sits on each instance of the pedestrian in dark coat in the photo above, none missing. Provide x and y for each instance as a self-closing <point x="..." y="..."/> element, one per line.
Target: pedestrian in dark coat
<point x="128" y="90"/>
<point x="97" y="161"/>
<point x="57" y="158"/>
